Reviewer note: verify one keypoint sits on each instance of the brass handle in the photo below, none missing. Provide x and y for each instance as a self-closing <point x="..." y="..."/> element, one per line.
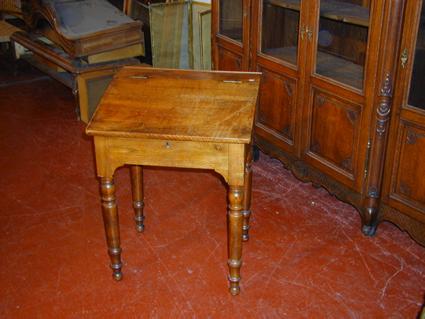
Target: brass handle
<point x="404" y="58"/>
<point x="140" y="77"/>
<point x="309" y="34"/>
<point x="306" y="31"/>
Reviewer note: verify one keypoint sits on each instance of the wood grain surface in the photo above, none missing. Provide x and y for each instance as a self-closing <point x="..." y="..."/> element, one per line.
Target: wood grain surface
<point x="170" y="104"/>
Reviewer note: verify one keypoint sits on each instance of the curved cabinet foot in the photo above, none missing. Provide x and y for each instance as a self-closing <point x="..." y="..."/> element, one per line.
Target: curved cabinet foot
<point x="369" y="230"/>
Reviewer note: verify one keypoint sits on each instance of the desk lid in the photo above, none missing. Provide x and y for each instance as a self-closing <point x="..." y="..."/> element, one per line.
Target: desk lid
<point x="75" y="19"/>
<point x="178" y="105"/>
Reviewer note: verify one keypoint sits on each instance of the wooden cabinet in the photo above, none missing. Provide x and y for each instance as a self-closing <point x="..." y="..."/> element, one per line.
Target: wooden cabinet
<point x="404" y="177"/>
<point x="329" y="73"/>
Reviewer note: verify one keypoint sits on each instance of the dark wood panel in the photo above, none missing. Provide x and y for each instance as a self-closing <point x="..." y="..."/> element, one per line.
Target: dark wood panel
<point x="334" y="135"/>
<point x="277" y="102"/>
<point x="228" y="60"/>
<point x="409" y="176"/>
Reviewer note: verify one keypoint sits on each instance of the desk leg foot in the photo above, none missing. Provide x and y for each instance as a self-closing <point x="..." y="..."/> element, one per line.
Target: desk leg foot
<point x="138" y="203"/>
<point x="235" y="223"/>
<point x="111" y="223"/>
<point x="247" y="196"/>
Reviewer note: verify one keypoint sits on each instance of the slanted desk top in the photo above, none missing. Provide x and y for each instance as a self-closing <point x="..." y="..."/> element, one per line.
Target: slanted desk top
<point x="171" y="104"/>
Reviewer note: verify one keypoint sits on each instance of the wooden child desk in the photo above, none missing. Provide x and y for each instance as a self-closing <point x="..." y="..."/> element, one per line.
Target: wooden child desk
<point x="177" y="118"/>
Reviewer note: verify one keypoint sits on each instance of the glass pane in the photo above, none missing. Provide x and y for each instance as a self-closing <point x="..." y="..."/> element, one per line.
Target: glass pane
<point x="279" y="36"/>
<point x="417" y="83"/>
<point x="342" y="43"/>
<point x="231" y="19"/>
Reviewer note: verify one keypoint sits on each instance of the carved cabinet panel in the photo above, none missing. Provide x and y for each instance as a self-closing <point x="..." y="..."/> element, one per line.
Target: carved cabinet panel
<point x="409" y="169"/>
<point x="229" y="61"/>
<point x="334" y="134"/>
<point x="276" y="107"/>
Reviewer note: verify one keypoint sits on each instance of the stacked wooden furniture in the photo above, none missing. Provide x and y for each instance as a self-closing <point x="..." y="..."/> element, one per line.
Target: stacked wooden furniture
<point x="81" y="44"/>
<point x="341" y="102"/>
<point x="82" y="28"/>
<point x="87" y="81"/>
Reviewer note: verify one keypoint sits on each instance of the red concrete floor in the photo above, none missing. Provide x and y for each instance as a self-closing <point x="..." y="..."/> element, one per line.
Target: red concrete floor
<point x="306" y="258"/>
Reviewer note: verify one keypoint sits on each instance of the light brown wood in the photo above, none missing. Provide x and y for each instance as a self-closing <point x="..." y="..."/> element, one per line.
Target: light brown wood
<point x="111" y="223"/>
<point x="175" y="118"/>
<point x="176" y="111"/>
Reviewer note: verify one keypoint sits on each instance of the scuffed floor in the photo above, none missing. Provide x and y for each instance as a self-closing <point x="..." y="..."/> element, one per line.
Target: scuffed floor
<point x="306" y="257"/>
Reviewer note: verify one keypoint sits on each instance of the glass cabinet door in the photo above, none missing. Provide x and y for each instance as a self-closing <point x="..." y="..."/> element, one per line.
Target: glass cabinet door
<point x="417" y="83"/>
<point x="231" y="19"/>
<point x="342" y="40"/>
<point x="279" y="34"/>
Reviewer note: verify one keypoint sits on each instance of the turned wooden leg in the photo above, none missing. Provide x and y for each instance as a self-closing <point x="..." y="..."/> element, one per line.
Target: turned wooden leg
<point x="137" y="188"/>
<point x="247" y="196"/>
<point x="111" y="222"/>
<point x="235" y="222"/>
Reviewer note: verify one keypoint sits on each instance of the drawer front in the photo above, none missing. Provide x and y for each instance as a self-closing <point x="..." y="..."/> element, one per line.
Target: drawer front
<point x="225" y="158"/>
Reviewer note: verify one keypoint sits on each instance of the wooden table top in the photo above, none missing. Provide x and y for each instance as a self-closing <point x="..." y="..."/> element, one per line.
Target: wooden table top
<point x="178" y="105"/>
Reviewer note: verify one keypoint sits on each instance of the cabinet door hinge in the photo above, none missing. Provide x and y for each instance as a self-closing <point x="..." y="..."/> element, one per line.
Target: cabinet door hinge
<point x="367" y="159"/>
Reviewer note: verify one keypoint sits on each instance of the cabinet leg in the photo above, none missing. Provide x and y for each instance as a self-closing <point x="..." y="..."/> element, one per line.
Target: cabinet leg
<point x="369" y="230"/>
<point x="369" y="221"/>
<point x="247" y="196"/>
<point x="137" y="190"/>
<point x="235" y="222"/>
<point x="111" y="222"/>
